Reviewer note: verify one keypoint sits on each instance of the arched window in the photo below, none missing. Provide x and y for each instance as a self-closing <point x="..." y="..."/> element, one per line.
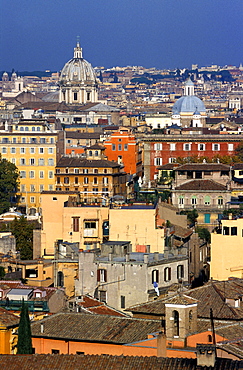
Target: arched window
<point x="176" y="329"/>
<point x="220" y="200"/>
<point x="194" y="200"/>
<point x="155" y="276"/>
<point x="180" y="271"/>
<point x="207" y="200"/>
<point x="167" y="274"/>
<point x="60" y="279"/>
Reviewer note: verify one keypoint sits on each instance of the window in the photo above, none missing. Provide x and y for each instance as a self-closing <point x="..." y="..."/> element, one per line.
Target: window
<point x="96" y="153"/>
<point x="105" y="170"/>
<point x="119" y="147"/>
<point x="113" y="147"/>
<point x="4" y="140"/>
<point x="76" y="170"/>
<point x="76" y="180"/>
<point x="194" y="200"/>
<point x="226" y="230"/>
<point x="32" y="174"/>
<point x="33" y="140"/>
<point x="32" y="150"/>
<point x="66" y="180"/>
<point x="125" y="147"/>
<point x="75" y="224"/>
<point x="58" y="180"/>
<point x="101" y="275"/>
<point x="176" y="322"/>
<point x="180" y="271"/>
<point x="33" y="128"/>
<point x="95" y="190"/>
<point x="32" y="187"/>
<point x="230" y="147"/>
<point x="22" y="150"/>
<point x="155" y="276"/>
<point x="32" y="161"/>
<point x="55" y="351"/>
<point x="215" y="147"/>
<point x="26" y="129"/>
<point x="201" y="147"/>
<point x="41" y="188"/>
<point x="50" y="187"/>
<point x="167" y="274"/>
<point x="157" y="146"/>
<point x="95" y="180"/>
<point x="105" y="180"/>
<point x="41" y="150"/>
<point x="41" y="174"/>
<point x="32" y="199"/>
<point x="85" y="170"/>
<point x="4" y="150"/>
<point x="207" y="200"/>
<point x="13" y="160"/>
<point x="86" y="180"/>
<point x="123" y="301"/>
<point x="22" y="174"/>
<point x="172" y="160"/>
<point x="181" y="200"/>
<point x="96" y="170"/>
<point x="52" y="141"/>
<point x="75" y="96"/>
<point x="50" y="174"/>
<point x="23" y="140"/>
<point x="42" y="140"/>
<point x="90" y="225"/>
<point x="207" y="217"/>
<point x="172" y="146"/>
<point x="14" y="140"/>
<point x="186" y="146"/>
<point x="50" y="162"/>
<point x="234" y="231"/>
<point x="13" y="150"/>
<point x="220" y="201"/>
<point x="158" y="161"/>
<point x="103" y="296"/>
<point x="50" y="150"/>
<point x="41" y="162"/>
<point x="22" y="161"/>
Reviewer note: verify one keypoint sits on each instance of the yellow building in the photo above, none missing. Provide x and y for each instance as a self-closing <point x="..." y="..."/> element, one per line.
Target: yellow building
<point x="227" y="250"/>
<point x="89" y="226"/>
<point x="8" y="337"/>
<point x="67" y="220"/>
<point x="137" y="224"/>
<point x="31" y="146"/>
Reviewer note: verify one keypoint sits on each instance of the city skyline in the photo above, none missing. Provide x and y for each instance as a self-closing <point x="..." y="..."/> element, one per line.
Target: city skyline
<point x="159" y="34"/>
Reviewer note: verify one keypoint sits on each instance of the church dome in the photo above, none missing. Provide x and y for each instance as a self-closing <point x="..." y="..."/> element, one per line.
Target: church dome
<point x="189" y="104"/>
<point x="77" y="70"/>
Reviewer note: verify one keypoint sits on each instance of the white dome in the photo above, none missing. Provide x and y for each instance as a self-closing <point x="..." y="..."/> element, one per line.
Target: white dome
<point x="77" y="70"/>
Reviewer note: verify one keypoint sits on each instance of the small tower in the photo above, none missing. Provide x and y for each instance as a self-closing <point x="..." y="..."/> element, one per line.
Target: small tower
<point x="196" y="119"/>
<point x="189" y="88"/>
<point x="181" y="317"/>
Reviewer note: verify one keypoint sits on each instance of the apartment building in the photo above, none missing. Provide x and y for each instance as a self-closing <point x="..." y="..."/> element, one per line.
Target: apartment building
<point x="31" y="146"/>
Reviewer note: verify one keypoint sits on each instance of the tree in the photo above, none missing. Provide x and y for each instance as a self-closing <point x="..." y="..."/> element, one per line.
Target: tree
<point x="2" y="272"/>
<point x="203" y="233"/>
<point x="239" y="151"/>
<point x="24" y="345"/>
<point x="9" y="184"/>
<point x="23" y="232"/>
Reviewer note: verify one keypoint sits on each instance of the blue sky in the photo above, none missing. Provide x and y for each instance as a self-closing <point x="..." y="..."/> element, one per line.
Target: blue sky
<point x="41" y="34"/>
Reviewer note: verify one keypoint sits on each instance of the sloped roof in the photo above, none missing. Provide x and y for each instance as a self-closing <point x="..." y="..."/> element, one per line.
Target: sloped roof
<point x="79" y="162"/>
<point x="103" y="362"/>
<point x="181" y="299"/>
<point x="7" y="319"/>
<point x="203" y="167"/>
<point x="99" y="328"/>
<point x="202" y="185"/>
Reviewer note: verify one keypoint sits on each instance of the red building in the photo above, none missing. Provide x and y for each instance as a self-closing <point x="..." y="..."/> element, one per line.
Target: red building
<point x="123" y="147"/>
<point x="163" y="149"/>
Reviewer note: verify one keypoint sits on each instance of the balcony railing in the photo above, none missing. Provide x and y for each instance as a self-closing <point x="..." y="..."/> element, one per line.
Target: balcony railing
<point x="15" y="305"/>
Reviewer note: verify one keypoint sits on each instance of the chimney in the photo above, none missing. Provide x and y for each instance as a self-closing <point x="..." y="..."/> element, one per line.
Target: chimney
<point x="42" y="328"/>
<point x="206" y="355"/>
<point x="145" y="258"/>
<point x="161" y="345"/>
<point x="127" y="257"/>
<point x="110" y="256"/>
<point x="156" y="256"/>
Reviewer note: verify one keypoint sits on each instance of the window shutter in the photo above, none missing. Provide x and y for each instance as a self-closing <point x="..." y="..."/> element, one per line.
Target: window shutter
<point x="105" y="275"/>
<point x="169" y="273"/>
<point x="98" y="275"/>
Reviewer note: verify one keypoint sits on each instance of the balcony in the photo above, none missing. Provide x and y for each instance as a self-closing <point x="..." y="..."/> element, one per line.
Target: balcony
<point x="34" y="306"/>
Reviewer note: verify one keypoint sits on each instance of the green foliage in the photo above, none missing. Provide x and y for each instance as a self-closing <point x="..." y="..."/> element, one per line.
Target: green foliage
<point x="9" y="184"/>
<point x="191" y="215"/>
<point x="225" y="159"/>
<point x="233" y="211"/>
<point x="239" y="151"/>
<point x="24" y="345"/>
<point x="203" y="233"/>
<point x="23" y="232"/>
<point x="2" y="272"/>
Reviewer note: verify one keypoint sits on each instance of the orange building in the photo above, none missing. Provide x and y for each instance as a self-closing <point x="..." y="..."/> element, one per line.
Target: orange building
<point x="8" y="337"/>
<point x="123" y="147"/>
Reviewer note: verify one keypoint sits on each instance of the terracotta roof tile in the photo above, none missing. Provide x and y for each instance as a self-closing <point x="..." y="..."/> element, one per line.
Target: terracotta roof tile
<point x="78" y="162"/>
<point x="201" y="185"/>
<point x="7" y="319"/>
<point x="105" y="362"/>
<point x="203" y="167"/>
<point x="88" y="327"/>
